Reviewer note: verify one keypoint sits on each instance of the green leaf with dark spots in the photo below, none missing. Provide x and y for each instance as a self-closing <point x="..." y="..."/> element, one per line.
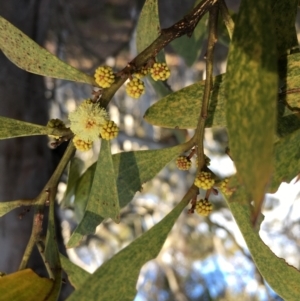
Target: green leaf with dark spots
<point x="77" y="276"/>
<point x="282" y="277"/>
<point x="82" y="192"/>
<point x="286" y="160"/>
<point x="181" y="109"/>
<point x="132" y="170"/>
<point x="148" y="27"/>
<point x="26" y="285"/>
<point x="74" y="171"/>
<point x="11" y="128"/>
<point x="116" y="279"/>
<point x="284" y="15"/>
<point x="104" y="194"/>
<point x="6" y="207"/>
<point x="251" y="88"/>
<point x="190" y="47"/>
<point x="103" y="200"/>
<point x="29" y="56"/>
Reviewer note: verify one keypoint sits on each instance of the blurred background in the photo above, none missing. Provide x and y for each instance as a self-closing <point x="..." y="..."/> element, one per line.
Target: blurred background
<point x="203" y="258"/>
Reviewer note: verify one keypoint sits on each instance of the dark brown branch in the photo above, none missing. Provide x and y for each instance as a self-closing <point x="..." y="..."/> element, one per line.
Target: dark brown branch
<point x="185" y="26"/>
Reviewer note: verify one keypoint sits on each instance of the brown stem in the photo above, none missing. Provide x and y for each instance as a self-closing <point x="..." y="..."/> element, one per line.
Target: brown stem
<point x="212" y="38"/>
<point x="185" y="26"/>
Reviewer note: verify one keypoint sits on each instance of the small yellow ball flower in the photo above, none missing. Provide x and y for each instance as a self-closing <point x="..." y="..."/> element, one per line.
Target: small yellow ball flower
<point x="81" y="144"/>
<point x="183" y="163"/>
<point x="224" y="188"/>
<point x="203" y="207"/>
<point x="87" y="120"/>
<point x="160" y="71"/>
<point x="104" y="76"/>
<point x="109" y="131"/>
<point x="142" y="73"/>
<point x="204" y="180"/>
<point x="135" y="88"/>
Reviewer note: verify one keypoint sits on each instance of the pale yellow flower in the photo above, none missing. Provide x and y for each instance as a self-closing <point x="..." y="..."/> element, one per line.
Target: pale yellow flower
<point x="87" y="120"/>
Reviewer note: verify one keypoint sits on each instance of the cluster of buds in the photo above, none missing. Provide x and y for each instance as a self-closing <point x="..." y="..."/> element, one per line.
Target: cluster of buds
<point x="105" y="77"/>
<point x="183" y="163"/>
<point x="203" y="207"/>
<point x="55" y="124"/>
<point x="224" y="188"/>
<point x="89" y="122"/>
<point x="204" y="180"/>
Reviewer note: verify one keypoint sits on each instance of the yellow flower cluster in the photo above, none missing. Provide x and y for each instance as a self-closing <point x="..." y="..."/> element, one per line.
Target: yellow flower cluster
<point x="109" y="131"/>
<point x="183" y="163"/>
<point x="160" y="71"/>
<point x="142" y="73"/>
<point x="88" y="122"/>
<point x="203" y="207"/>
<point x="204" y="180"/>
<point x="135" y="88"/>
<point x="224" y="188"/>
<point x="81" y="144"/>
<point x="104" y="76"/>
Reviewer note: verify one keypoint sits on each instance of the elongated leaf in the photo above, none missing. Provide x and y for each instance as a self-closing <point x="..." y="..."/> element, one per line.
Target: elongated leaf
<point x="6" y="207"/>
<point x="190" y="47"/>
<point x="251" y="87"/>
<point x="76" y="274"/>
<point x="28" y="55"/>
<point x="116" y="279"/>
<point x="181" y="109"/>
<point x="25" y="285"/>
<point x="148" y="27"/>
<point x="283" y="278"/>
<point x="284" y="15"/>
<point x="75" y="168"/>
<point x="82" y="192"/>
<point x="10" y="128"/>
<point x="132" y="170"/>
<point x="286" y="160"/>
<point x="103" y="198"/>
<point x="104" y="188"/>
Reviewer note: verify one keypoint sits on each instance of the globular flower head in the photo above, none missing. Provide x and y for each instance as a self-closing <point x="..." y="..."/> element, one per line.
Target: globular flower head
<point x="109" y="130"/>
<point x="183" y="163"/>
<point x="104" y="76"/>
<point x="204" y="180"/>
<point x="81" y="144"/>
<point x="203" y="207"/>
<point x="135" y="88"/>
<point x="160" y="71"/>
<point x="224" y="188"/>
<point x="87" y="120"/>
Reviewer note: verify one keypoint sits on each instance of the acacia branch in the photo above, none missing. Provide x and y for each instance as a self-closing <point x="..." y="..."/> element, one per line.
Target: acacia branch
<point x="185" y="26"/>
<point x="46" y="196"/>
<point x="212" y="38"/>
